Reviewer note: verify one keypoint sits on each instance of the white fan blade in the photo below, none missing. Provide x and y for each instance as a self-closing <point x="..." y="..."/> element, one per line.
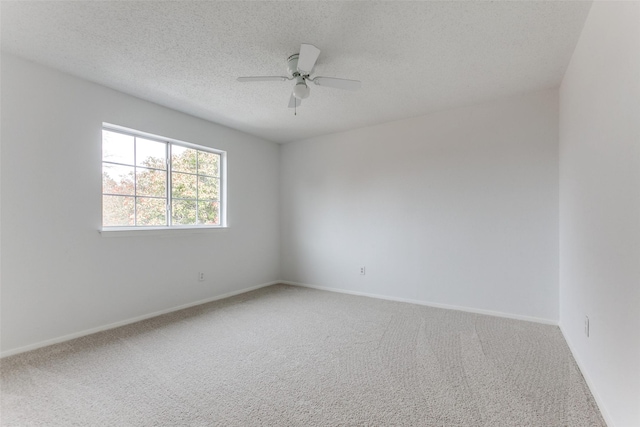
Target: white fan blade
<point x="338" y="83"/>
<point x="307" y="58"/>
<point x="294" y="102"/>
<point x="262" y="79"/>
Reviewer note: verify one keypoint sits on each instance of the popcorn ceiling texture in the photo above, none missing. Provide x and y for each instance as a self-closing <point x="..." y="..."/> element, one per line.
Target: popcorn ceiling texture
<point x="293" y="356"/>
<point x="412" y="57"/>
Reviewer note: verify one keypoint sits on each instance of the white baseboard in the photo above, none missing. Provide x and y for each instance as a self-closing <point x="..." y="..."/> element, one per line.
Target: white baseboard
<point x="68" y="337"/>
<point x="590" y="384"/>
<point x="428" y="304"/>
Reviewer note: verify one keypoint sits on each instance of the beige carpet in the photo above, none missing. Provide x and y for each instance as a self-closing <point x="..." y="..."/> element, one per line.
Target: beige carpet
<point x="287" y="356"/>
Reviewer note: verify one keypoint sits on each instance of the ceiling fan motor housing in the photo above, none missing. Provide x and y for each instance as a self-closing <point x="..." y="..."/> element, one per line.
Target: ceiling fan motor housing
<point x="292" y="65"/>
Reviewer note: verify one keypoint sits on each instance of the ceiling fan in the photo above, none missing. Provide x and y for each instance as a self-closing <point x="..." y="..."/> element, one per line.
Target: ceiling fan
<point x="299" y="67"/>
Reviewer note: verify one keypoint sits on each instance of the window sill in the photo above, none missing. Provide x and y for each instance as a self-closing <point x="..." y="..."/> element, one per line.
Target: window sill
<point x="157" y="231"/>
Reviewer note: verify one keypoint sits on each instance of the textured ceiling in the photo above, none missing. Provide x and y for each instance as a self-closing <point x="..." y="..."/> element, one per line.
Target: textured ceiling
<point x="412" y="57"/>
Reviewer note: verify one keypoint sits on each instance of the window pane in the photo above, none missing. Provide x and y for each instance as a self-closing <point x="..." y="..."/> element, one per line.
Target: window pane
<point x="117" y="211"/>
<point x="208" y="163"/>
<point x="151" y="211"/>
<point x="208" y="212"/>
<point x="137" y="187"/>
<point x="150" y="182"/>
<point x="117" y="147"/>
<point x="183" y="212"/>
<point x="183" y="185"/>
<point x="183" y="159"/>
<point x="151" y="154"/>
<point x="208" y="188"/>
<point x="117" y="179"/>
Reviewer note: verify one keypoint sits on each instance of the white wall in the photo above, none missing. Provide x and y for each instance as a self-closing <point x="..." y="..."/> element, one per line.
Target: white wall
<point x="458" y="208"/>
<point x="59" y="276"/>
<point x="600" y="207"/>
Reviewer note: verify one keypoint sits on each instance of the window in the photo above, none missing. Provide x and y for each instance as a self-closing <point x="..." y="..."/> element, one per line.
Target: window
<point x="150" y="181"/>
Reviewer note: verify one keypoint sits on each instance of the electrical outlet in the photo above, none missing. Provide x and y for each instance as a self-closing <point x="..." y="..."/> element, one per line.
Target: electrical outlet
<point x="200" y="277"/>
<point x="586" y="326"/>
<point x="362" y="270"/>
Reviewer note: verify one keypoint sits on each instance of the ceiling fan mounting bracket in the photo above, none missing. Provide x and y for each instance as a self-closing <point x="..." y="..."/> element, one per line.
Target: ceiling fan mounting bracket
<point x="292" y="65"/>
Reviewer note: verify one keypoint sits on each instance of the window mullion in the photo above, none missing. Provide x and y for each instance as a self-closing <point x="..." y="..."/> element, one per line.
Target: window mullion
<point x="169" y="206"/>
<point x="135" y="182"/>
<point x="197" y="184"/>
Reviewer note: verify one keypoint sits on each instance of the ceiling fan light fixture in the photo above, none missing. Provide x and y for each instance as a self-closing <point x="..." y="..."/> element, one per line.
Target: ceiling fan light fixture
<point x="301" y="90"/>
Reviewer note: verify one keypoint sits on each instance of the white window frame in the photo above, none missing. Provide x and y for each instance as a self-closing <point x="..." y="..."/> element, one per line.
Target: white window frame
<point x="171" y="228"/>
